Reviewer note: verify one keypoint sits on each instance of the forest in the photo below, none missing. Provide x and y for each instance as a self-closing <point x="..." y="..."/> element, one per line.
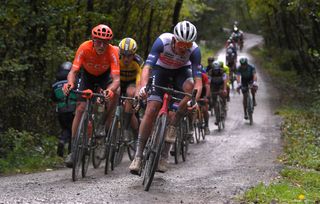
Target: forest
<point x="36" y="36"/>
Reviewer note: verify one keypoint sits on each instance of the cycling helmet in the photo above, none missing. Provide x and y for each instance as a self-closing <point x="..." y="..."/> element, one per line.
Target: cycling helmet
<point x="210" y="59"/>
<point x="128" y="46"/>
<point x="235" y="29"/>
<point x="216" y="65"/>
<point x="185" y="31"/>
<point x="63" y="71"/>
<point x="243" y="60"/>
<point x="102" y="32"/>
<point x="221" y="63"/>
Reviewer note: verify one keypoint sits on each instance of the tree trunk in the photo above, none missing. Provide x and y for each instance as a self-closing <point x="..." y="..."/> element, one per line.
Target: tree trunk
<point x="149" y="30"/>
<point x="176" y="13"/>
<point x="89" y="9"/>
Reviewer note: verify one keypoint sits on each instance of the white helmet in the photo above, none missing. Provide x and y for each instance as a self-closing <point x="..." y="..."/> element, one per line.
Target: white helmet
<point x="185" y="31"/>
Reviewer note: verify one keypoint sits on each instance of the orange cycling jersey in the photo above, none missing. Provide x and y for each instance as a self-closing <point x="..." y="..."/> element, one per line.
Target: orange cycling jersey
<point x="96" y="64"/>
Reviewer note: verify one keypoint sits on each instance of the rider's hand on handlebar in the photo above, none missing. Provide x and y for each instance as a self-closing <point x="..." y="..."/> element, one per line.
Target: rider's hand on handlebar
<point x="238" y="88"/>
<point x="67" y="87"/>
<point x="143" y="92"/>
<point x="108" y="94"/>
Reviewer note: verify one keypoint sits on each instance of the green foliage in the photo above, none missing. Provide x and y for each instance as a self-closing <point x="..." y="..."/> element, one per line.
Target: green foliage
<point x="297" y="186"/>
<point x="26" y="152"/>
<point x="300" y="179"/>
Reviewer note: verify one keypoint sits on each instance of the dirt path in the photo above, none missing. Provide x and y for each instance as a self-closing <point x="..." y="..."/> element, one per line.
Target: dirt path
<point x="218" y="169"/>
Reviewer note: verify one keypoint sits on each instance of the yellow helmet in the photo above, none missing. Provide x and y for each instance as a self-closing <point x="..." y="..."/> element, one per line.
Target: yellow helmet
<point x="128" y="46"/>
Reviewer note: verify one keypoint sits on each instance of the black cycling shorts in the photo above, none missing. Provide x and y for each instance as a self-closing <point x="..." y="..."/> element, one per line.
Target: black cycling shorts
<point x="89" y="81"/>
<point x="125" y="84"/>
<point x="168" y="78"/>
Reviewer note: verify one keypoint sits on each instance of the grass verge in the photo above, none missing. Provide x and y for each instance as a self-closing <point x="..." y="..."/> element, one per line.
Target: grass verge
<point x="26" y="152"/>
<point x="300" y="179"/>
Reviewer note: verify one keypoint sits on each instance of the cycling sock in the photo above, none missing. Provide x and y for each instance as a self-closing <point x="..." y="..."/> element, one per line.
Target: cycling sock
<point x="127" y="118"/>
<point x="140" y="146"/>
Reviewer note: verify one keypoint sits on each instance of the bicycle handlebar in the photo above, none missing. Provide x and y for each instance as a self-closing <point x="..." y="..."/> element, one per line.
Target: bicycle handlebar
<point x="171" y="90"/>
<point x="88" y="94"/>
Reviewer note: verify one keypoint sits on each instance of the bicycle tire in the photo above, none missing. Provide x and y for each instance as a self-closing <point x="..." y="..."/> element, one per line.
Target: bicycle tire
<point x="87" y="152"/>
<point x="250" y="108"/>
<point x="114" y="145"/>
<point x="177" y="145"/>
<point x="78" y="148"/>
<point x="156" y="147"/>
<point x="120" y="149"/>
<point x="131" y="149"/>
<point x="108" y="145"/>
<point x="220" y="123"/>
<point x="185" y="140"/>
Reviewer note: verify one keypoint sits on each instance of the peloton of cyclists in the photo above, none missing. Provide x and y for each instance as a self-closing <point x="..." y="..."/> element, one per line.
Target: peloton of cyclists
<point x="218" y="85"/>
<point x="175" y="56"/>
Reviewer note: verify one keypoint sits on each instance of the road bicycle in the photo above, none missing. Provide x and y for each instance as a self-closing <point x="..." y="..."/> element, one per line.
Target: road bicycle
<point x="155" y="143"/>
<point x="250" y="106"/>
<point x="220" y="110"/>
<point x="85" y="139"/>
<point x="117" y="144"/>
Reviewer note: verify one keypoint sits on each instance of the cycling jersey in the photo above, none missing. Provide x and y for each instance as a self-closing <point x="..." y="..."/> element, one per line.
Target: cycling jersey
<point x="131" y="72"/>
<point x="59" y="97"/>
<point x="246" y="74"/>
<point x="205" y="81"/>
<point x="162" y="55"/>
<point x="95" y="64"/>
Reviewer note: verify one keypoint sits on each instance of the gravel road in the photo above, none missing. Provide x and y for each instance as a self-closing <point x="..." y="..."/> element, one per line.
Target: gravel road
<point x="217" y="170"/>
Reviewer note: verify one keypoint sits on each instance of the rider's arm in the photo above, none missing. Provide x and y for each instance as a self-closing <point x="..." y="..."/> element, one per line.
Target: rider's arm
<point x="225" y="82"/>
<point x="195" y="59"/>
<point x="115" y="69"/>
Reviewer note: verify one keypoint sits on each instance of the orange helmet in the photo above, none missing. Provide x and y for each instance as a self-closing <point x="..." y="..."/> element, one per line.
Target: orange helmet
<point x="102" y="32"/>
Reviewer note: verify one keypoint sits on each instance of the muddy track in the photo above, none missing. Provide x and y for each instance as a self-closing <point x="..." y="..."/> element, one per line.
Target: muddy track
<point x="217" y="170"/>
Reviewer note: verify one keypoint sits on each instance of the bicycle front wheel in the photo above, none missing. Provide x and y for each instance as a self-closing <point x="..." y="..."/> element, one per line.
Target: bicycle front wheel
<point x="78" y="147"/>
<point x="87" y="150"/>
<point x="157" y="141"/>
<point x="250" y="108"/>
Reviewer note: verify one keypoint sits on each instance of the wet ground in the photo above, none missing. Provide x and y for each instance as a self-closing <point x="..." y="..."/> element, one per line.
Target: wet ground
<point x="216" y="171"/>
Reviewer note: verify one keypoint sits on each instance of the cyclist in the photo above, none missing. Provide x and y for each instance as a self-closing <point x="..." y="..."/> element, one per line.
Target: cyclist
<point x="205" y="95"/>
<point x="218" y="85"/>
<point x="226" y="70"/>
<point x="130" y="70"/>
<point x="175" y="56"/>
<point x="100" y="63"/>
<point x="209" y="67"/>
<point x="65" y="111"/>
<point x="246" y="75"/>
<point x="237" y="36"/>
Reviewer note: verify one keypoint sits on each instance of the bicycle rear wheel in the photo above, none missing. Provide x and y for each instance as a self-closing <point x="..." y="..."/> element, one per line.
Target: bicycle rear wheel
<point x="131" y="149"/>
<point x="157" y="140"/>
<point x="78" y="147"/>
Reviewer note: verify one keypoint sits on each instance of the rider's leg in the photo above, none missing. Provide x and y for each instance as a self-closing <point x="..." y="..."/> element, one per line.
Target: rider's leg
<point x="145" y="129"/>
<point x="253" y="92"/>
<point x="78" y="114"/>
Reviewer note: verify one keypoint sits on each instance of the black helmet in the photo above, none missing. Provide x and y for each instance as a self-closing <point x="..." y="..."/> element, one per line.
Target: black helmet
<point x="210" y="59"/>
<point x="243" y="60"/>
<point x="63" y="70"/>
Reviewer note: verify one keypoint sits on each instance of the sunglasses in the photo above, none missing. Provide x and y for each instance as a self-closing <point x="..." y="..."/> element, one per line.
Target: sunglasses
<point x="185" y="45"/>
<point x="100" y="43"/>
